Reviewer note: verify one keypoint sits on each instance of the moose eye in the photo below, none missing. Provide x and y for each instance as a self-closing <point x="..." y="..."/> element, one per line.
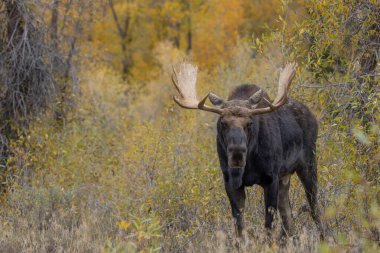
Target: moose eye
<point x="223" y="123"/>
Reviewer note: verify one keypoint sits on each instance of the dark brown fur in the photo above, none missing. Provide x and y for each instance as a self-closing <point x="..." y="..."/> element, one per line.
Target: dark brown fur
<point x="266" y="150"/>
<point x="244" y="92"/>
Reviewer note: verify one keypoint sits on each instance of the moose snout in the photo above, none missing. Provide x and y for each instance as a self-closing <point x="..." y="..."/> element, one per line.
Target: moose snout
<point x="237" y="157"/>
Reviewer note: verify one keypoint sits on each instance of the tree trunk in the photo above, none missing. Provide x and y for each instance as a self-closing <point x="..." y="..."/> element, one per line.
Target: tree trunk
<point x="54" y="24"/>
<point x="189" y="36"/>
<point x="125" y="39"/>
<point x="177" y="35"/>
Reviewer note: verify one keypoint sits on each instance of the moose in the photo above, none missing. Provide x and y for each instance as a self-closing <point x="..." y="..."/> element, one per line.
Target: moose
<point x="260" y="142"/>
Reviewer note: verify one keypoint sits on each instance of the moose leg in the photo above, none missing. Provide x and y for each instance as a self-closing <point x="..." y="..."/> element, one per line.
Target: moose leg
<point x="237" y="201"/>
<point x="284" y="205"/>
<point x="271" y="198"/>
<point x="308" y="177"/>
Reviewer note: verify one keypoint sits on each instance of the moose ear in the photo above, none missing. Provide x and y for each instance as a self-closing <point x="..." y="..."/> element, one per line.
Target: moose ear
<point x="215" y="100"/>
<point x="256" y="98"/>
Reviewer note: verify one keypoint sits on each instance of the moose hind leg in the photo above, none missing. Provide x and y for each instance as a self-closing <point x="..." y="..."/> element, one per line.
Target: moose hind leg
<point x="237" y="201"/>
<point x="284" y="206"/>
<point x="308" y="177"/>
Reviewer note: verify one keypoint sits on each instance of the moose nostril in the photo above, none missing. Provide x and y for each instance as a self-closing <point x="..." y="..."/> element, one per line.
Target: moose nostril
<point x="237" y="156"/>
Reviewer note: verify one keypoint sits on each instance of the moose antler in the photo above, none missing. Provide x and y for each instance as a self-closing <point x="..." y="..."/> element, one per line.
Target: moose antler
<point x="185" y="82"/>
<point x="286" y="77"/>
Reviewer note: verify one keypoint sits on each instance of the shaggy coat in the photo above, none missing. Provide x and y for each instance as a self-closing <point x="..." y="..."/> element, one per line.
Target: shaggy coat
<point x="278" y="144"/>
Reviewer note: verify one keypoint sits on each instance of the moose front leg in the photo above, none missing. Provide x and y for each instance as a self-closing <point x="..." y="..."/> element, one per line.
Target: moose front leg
<point x="237" y="201"/>
<point x="271" y="198"/>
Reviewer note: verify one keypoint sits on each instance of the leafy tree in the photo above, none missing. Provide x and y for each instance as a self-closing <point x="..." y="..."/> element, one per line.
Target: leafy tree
<point x="338" y="42"/>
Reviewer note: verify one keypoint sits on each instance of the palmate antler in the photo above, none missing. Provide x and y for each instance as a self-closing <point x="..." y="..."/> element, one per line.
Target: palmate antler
<point x="185" y="80"/>
<point x="286" y="77"/>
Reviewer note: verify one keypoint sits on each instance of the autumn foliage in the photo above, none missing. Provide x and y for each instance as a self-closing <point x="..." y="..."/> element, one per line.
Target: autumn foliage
<point x="96" y="157"/>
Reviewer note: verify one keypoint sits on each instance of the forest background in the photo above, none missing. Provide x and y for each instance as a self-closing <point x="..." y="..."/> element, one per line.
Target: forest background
<point x="96" y="157"/>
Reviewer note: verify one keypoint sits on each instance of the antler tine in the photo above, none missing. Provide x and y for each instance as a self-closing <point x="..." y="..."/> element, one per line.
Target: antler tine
<point x="174" y="78"/>
<point x="204" y="107"/>
<point x="286" y="77"/>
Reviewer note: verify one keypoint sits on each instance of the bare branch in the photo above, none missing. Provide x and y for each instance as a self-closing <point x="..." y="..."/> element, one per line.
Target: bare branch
<point x="122" y="32"/>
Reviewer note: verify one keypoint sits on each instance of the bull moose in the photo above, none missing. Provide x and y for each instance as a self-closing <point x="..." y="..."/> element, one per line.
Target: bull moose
<point x="261" y="142"/>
